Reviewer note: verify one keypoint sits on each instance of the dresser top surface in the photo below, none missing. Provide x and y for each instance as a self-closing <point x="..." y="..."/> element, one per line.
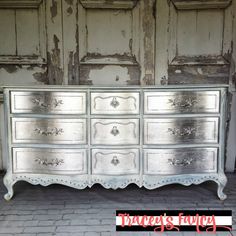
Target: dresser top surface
<point x="81" y="87"/>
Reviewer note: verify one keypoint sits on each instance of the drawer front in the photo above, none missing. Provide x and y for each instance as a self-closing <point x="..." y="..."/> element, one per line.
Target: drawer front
<point x="115" y="131"/>
<point x="180" y="161"/>
<point x="177" y="131"/>
<point x="49" y="161"/>
<point x="181" y="102"/>
<point x="115" y="103"/>
<point x="49" y="131"/>
<point x="48" y="102"/>
<point x="115" y="162"/>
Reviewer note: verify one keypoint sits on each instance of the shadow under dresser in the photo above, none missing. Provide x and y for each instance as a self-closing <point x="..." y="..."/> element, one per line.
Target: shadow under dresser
<point x="151" y="136"/>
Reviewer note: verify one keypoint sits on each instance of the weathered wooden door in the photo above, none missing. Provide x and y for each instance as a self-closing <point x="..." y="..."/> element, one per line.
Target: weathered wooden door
<point x="118" y="42"/>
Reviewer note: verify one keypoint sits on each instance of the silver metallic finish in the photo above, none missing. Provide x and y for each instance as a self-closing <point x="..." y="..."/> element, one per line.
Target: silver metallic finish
<point x="49" y="161"/>
<point x="115" y="131"/>
<point x="181" y="131"/>
<point x="181" y="102"/>
<point x="180" y="161"/>
<point x="46" y="162"/>
<point x="115" y="161"/>
<point x="115" y="103"/>
<point x="48" y="102"/>
<point x="53" y="131"/>
<point x="115" y="144"/>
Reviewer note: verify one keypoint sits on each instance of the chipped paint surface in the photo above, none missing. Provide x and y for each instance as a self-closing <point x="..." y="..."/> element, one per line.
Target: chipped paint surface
<point x="197" y="74"/>
<point x="53" y="9"/>
<point x="148" y="28"/>
<point x="55" y="72"/>
<point x="109" y="75"/>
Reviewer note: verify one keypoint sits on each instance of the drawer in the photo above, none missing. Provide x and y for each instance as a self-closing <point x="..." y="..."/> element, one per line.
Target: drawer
<point x="49" y="161"/>
<point x="115" y="103"/>
<point x="49" y="131"/>
<point x="181" y="130"/>
<point x="115" y="162"/>
<point x="46" y="102"/>
<point x="181" y="102"/>
<point x="115" y="131"/>
<point x="180" y="161"/>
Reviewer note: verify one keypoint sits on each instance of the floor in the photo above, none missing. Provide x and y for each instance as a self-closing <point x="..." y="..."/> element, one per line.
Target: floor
<point x="60" y="210"/>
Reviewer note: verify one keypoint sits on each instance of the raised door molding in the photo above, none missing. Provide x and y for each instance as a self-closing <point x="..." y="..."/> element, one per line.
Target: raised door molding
<point x="20" y="3"/>
<point x="200" y="4"/>
<point x="115" y="4"/>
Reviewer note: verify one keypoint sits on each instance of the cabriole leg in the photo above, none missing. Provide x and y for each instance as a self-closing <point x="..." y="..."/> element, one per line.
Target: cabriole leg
<point x="221" y="185"/>
<point x="7" y="180"/>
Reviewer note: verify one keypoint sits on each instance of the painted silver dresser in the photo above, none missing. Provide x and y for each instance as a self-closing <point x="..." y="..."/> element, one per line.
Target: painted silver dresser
<point x="150" y="136"/>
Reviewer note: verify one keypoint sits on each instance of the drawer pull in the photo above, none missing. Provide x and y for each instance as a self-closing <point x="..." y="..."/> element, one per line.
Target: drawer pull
<point x="179" y="162"/>
<point x="55" y="103"/>
<point x="182" y="132"/>
<point x="115" y="131"/>
<point x="115" y="161"/>
<point x="49" y="131"/>
<point x="54" y="162"/>
<point x="114" y="103"/>
<point x="184" y="103"/>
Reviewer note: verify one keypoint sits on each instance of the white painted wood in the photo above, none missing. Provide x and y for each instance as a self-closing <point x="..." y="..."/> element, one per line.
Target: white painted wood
<point x="231" y="147"/>
<point x="172" y="33"/>
<point x="147" y="45"/>
<point x="42" y="31"/>
<point x="27" y="22"/>
<point x="8" y="33"/>
<point x="1" y="136"/>
<point x="202" y="35"/>
<point x="199" y="4"/>
<point x="136" y="24"/>
<point x="109" y="31"/>
<point x="20" y="76"/>
<point x="82" y="31"/>
<point x="115" y="4"/>
<point x="161" y="53"/>
<point x="55" y="35"/>
<point x="69" y="38"/>
<point x="20" y="3"/>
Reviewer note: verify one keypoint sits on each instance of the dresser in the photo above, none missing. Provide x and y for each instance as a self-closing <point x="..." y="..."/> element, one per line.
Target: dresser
<point x="150" y="136"/>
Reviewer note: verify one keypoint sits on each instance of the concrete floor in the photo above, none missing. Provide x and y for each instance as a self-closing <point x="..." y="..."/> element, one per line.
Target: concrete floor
<point x="60" y="210"/>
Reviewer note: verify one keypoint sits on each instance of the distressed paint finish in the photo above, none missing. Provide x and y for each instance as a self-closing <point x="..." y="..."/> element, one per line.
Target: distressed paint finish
<point x="198" y="74"/>
<point x="147" y="50"/>
<point x="200" y="4"/>
<point x="231" y="147"/>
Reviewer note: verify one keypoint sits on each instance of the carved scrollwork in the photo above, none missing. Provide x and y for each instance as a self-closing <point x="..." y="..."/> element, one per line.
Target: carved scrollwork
<point x="182" y="132"/>
<point x="42" y="104"/>
<point x="181" y="162"/>
<point x="183" y="103"/>
<point x="54" y="162"/>
<point x="49" y="131"/>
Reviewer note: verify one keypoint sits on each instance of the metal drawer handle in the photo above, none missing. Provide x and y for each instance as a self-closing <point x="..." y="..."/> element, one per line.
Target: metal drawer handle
<point x="179" y="162"/>
<point x="49" y="131"/>
<point x="182" y="132"/>
<point x="53" y="162"/>
<point x="115" y="131"/>
<point x="55" y="103"/>
<point x="114" y="103"/>
<point x="115" y="161"/>
<point x="187" y="102"/>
